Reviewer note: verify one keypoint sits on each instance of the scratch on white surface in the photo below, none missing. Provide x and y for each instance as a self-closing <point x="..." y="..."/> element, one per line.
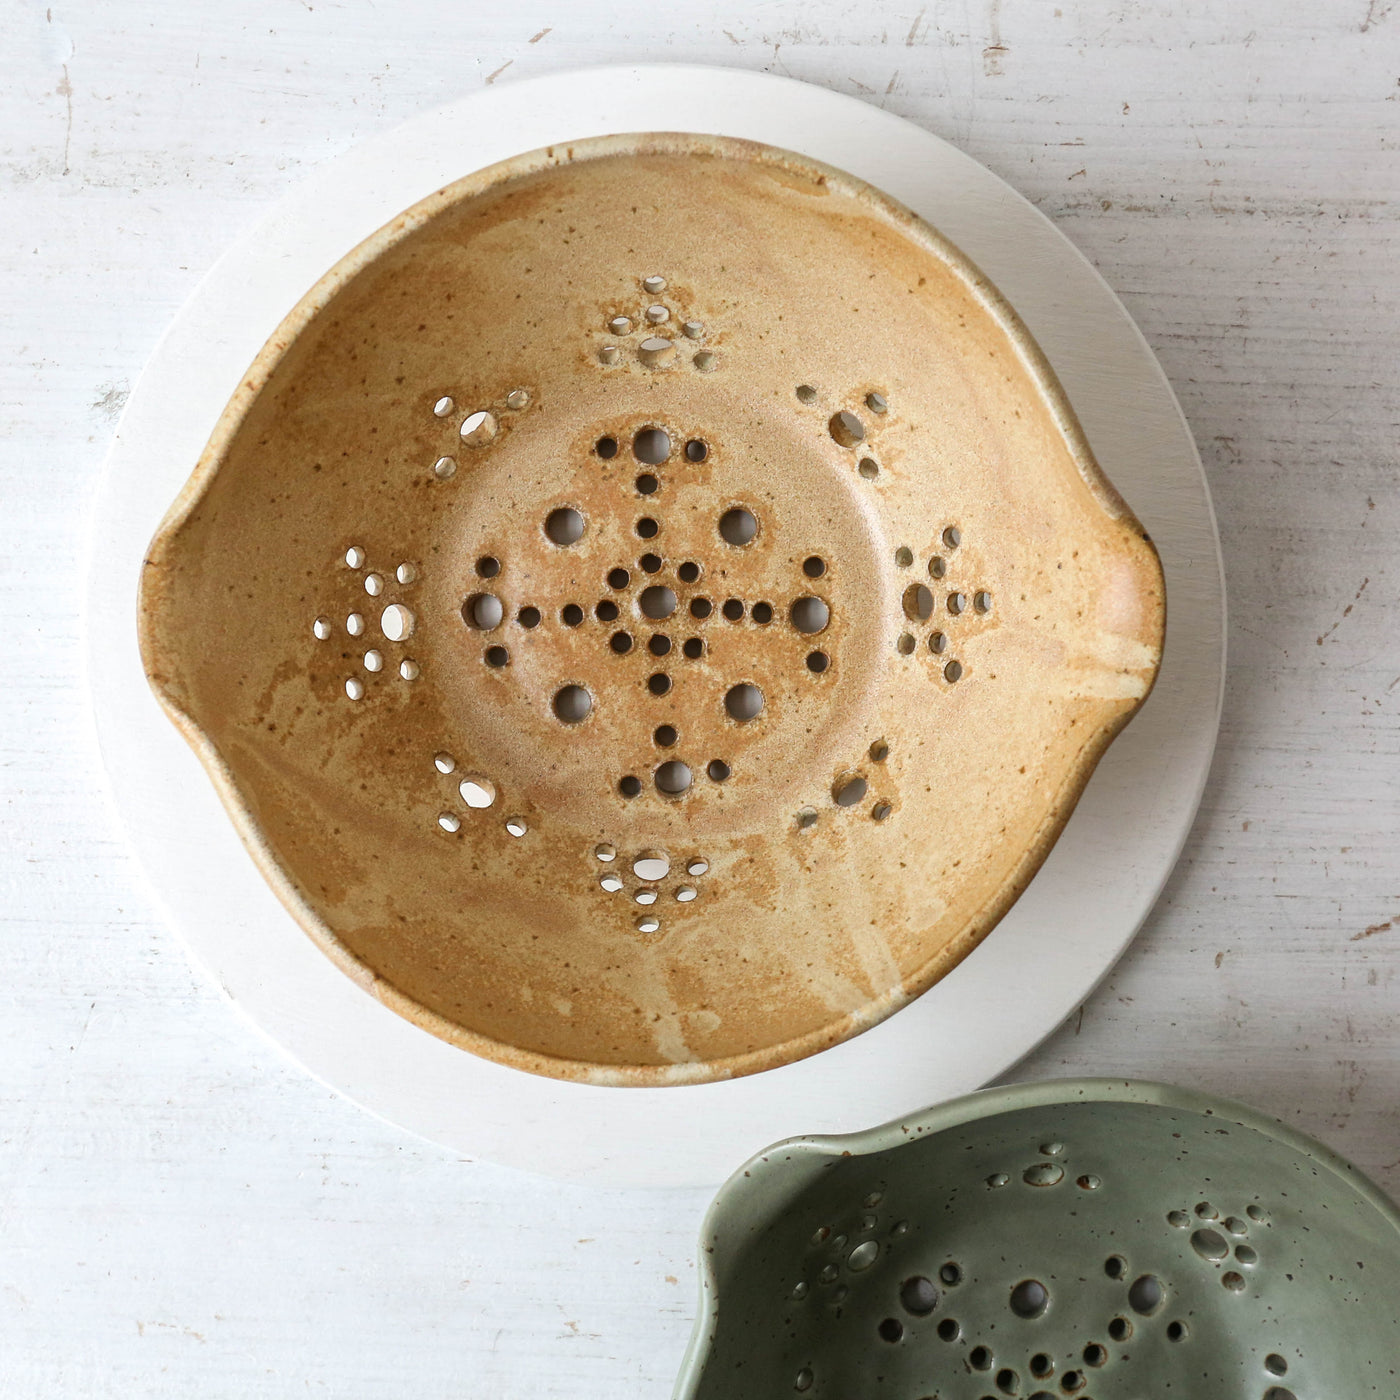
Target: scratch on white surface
<point x="1371" y="930"/>
<point x="65" y="91"/>
<point x="57" y="47"/>
<point x="912" y="37"/>
<point x="491" y="78"/>
<point x="111" y="400"/>
<point x="993" y="56"/>
<point x="170" y="1327"/>
<point x="548" y="29"/>
<point x="1346" y="612"/>
<point x="1376" y="11"/>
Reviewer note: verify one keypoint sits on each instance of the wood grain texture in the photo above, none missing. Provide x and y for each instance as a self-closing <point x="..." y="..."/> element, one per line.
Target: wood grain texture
<point x="184" y="1213"/>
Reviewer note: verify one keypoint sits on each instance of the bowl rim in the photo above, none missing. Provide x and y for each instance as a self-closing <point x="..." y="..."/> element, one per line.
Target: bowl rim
<point x="161" y="662"/>
<point x="746" y="1197"/>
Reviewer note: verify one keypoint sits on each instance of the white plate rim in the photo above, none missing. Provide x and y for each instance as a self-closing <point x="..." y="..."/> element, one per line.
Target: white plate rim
<point x="1043" y="960"/>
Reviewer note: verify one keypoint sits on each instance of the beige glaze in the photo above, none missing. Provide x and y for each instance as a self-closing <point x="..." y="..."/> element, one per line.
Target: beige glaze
<point x="818" y="358"/>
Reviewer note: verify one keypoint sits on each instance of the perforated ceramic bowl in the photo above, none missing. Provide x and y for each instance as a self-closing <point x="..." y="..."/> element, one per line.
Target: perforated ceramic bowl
<point x="1095" y="1239"/>
<point x="650" y="610"/>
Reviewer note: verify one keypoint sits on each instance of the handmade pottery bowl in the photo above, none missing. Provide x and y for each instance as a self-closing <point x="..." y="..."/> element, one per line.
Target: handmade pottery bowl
<point x="1087" y="1238"/>
<point x="650" y="610"/>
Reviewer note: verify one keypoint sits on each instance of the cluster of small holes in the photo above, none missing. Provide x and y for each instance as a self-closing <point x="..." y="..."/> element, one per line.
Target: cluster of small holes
<point x="477" y="793"/>
<point x="849" y="789"/>
<point x="807" y="615"/>
<point x="651" y="869"/>
<point x="921" y="604"/>
<point x="848" y="429"/>
<point x="1221" y="1242"/>
<point x="396" y="622"/>
<point x="918" y="1297"/>
<point x="564" y="526"/>
<point x="478" y="428"/>
<point x="654" y="351"/>
<point x="737" y="526"/>
<point x="1146" y="1296"/>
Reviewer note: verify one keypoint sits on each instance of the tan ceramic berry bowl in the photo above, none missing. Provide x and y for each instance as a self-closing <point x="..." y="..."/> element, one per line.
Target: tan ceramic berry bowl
<point x="650" y="610"/>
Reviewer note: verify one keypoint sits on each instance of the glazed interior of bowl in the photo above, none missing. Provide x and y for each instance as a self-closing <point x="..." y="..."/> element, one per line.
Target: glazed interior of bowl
<point x="1091" y="1239"/>
<point x="650" y="610"/>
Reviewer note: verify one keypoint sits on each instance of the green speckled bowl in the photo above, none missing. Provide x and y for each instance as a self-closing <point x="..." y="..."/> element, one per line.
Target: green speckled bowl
<point x="1095" y="1239"/>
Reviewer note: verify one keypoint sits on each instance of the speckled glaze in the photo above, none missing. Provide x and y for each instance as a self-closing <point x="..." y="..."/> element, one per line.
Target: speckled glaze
<point x="503" y="772"/>
<point x="1103" y="1239"/>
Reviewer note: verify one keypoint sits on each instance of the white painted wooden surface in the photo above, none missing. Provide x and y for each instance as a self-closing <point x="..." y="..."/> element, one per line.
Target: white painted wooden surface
<point x="184" y="1214"/>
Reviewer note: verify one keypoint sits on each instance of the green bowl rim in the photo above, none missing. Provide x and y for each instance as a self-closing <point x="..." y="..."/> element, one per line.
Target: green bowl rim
<point x="811" y="1154"/>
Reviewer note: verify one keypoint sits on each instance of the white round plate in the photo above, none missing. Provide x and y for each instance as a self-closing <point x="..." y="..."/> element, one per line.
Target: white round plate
<point x="1044" y="958"/>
